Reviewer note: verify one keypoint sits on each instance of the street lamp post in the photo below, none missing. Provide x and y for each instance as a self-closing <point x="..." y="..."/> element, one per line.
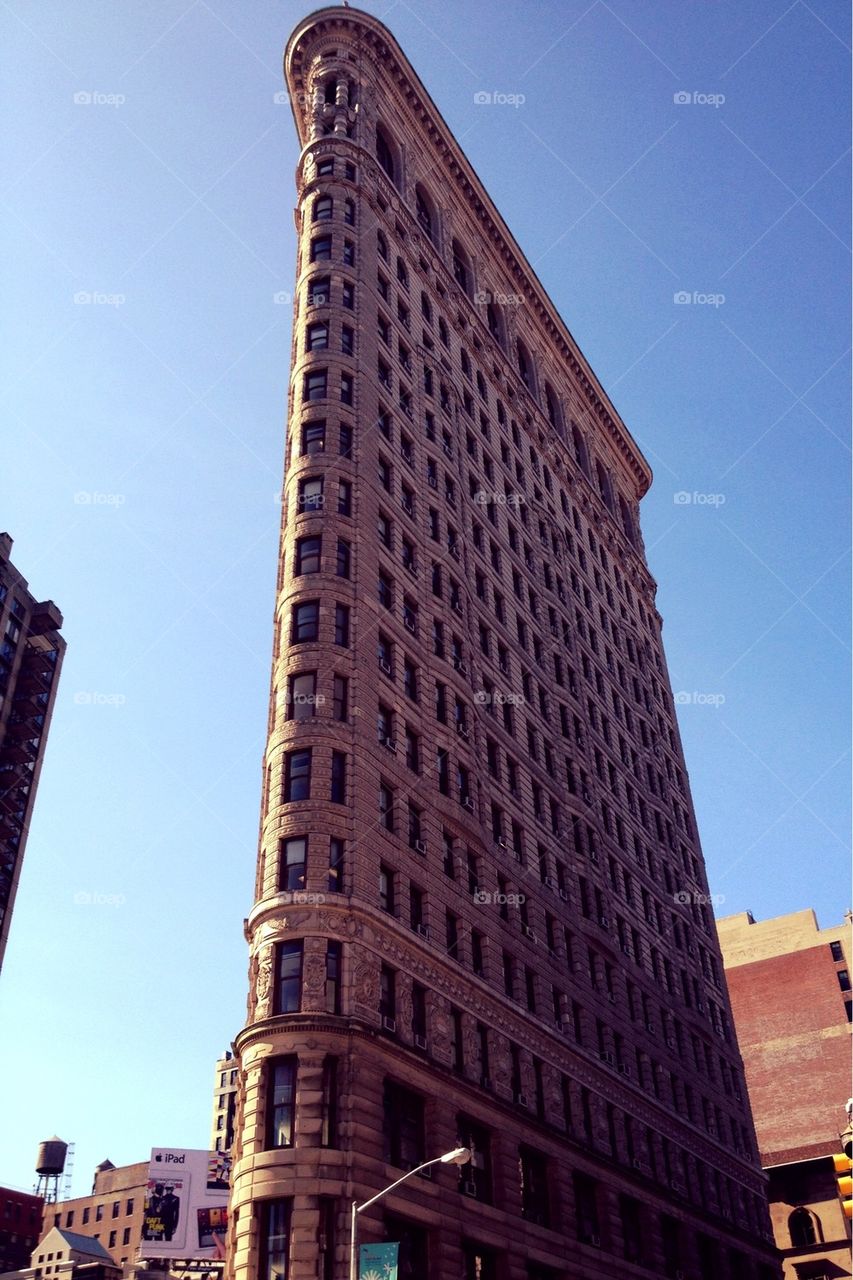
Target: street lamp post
<point x="461" y="1155"/>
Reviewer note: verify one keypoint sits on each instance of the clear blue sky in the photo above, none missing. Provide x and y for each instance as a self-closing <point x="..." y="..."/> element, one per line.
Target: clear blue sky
<point x="171" y="190"/>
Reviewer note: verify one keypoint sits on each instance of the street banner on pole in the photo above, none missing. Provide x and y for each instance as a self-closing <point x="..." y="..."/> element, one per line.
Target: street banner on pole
<point x="378" y="1262"/>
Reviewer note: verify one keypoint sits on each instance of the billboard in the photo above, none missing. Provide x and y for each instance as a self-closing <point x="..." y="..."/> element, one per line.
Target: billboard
<point x="186" y="1204"/>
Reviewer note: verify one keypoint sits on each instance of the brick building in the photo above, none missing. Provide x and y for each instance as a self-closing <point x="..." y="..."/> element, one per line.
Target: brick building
<point x="112" y="1214"/>
<point x="31" y="652"/>
<point x="481" y="912"/>
<point x="789" y="983"/>
<point x="20" y="1227"/>
<point x="224" y="1103"/>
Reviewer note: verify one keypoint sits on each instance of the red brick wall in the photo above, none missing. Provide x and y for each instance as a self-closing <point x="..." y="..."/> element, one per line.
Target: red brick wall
<point x="795" y="1042"/>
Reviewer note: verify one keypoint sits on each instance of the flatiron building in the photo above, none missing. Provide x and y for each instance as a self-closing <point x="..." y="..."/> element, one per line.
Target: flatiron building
<point x="481" y="914"/>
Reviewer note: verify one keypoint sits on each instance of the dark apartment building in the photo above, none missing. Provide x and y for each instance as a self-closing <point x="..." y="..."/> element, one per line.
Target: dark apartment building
<point x="481" y="914"/>
<point x="31" y="651"/>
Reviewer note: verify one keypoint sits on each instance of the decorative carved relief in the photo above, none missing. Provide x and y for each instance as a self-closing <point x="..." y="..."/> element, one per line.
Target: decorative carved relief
<point x="263" y="983"/>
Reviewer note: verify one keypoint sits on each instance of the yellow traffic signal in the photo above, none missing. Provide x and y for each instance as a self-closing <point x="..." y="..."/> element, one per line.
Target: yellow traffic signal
<point x="843" y="1166"/>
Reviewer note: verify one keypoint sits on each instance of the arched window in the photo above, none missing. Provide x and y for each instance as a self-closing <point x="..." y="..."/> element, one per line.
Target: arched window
<point x="627" y="520"/>
<point x="604" y="486"/>
<point x="525" y="365"/>
<point x="425" y="210"/>
<point x="805" y="1228"/>
<point x="579" y="446"/>
<point x="385" y="153"/>
<point x="323" y="209"/>
<point x="493" y="320"/>
<point x="552" y="405"/>
<point x="461" y="267"/>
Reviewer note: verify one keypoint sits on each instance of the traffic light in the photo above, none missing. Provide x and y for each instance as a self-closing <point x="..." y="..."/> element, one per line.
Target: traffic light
<point x="843" y="1165"/>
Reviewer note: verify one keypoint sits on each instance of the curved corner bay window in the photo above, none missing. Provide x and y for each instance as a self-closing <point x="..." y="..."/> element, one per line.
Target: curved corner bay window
<point x="282" y="1101"/>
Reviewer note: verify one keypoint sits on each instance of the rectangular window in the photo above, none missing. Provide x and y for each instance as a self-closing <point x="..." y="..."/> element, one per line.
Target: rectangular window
<point x="297" y="776"/>
<point x="338" y="791"/>
<point x="403" y="1126"/>
<point x="314" y="385"/>
<point x="321" y="248"/>
<point x="333" y="977"/>
<point x="836" y="951"/>
<point x="313" y="438"/>
<point x="342" y="564"/>
<point x="308" y="553"/>
<point x="341" y="626"/>
<point x="319" y="291"/>
<point x="274" y="1252"/>
<point x="317" y="336"/>
<point x="301" y="696"/>
<point x="533" y="1175"/>
<point x="310" y="494"/>
<point x="288" y="994"/>
<point x="292" y="863"/>
<point x="281" y="1101"/>
<point x="336" y="865"/>
<point x="340" y="697"/>
<point x="329" y="1130"/>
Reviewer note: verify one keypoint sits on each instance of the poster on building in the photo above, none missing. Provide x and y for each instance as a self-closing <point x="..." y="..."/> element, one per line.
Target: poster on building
<point x="186" y="1204"/>
<point x="378" y="1261"/>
